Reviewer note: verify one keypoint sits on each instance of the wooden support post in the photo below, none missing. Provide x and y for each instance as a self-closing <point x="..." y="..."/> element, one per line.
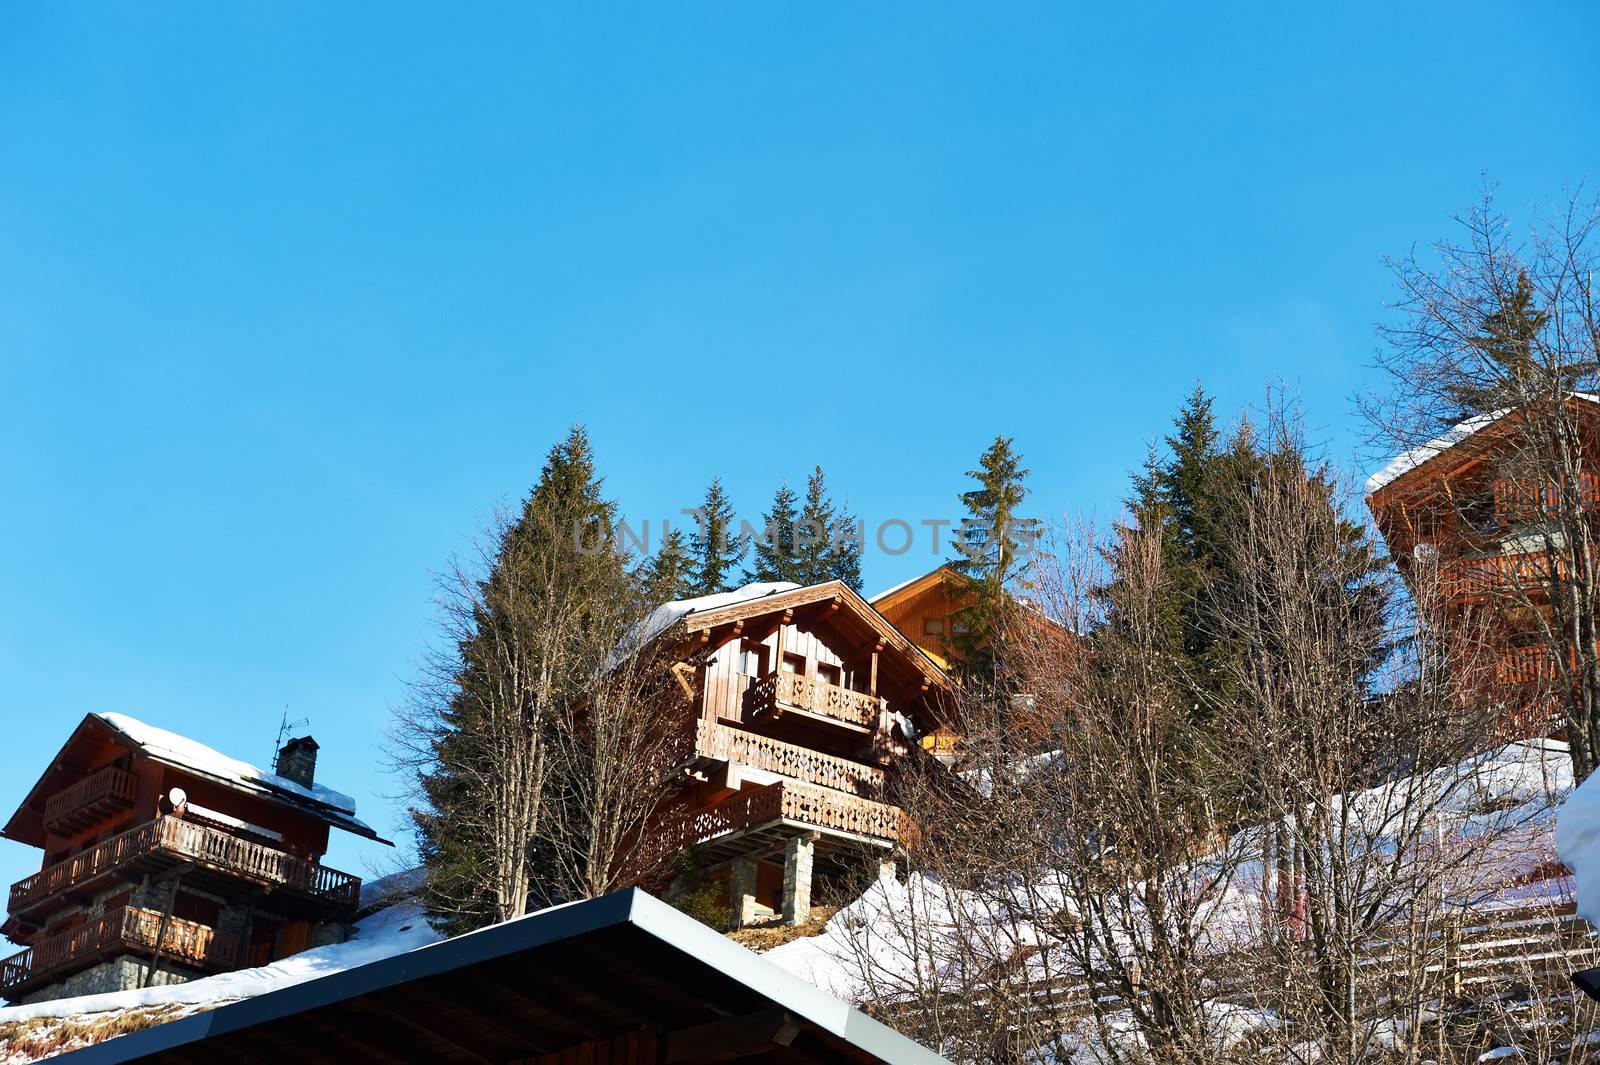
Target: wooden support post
<point x="797" y="855"/>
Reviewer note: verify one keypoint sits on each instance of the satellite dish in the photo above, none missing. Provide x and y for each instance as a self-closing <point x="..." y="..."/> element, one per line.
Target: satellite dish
<point x="1426" y="552"/>
<point x="177" y="797"/>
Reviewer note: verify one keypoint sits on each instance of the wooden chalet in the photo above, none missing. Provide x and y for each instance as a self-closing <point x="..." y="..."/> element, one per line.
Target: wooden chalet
<point x="1464" y="503"/>
<point x="805" y="702"/>
<point x="164" y="860"/>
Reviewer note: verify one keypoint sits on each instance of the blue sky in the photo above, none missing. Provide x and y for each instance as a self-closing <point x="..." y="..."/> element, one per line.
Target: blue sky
<point x="291" y="296"/>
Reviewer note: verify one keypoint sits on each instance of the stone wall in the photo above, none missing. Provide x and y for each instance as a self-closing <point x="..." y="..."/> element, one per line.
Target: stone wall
<point x="119" y="974"/>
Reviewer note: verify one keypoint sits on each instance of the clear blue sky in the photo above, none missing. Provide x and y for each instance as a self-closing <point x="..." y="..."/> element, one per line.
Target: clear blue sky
<point x="292" y="295"/>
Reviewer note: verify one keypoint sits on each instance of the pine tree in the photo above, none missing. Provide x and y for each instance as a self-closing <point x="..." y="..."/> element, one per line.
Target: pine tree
<point x="1510" y="366"/>
<point x="668" y="575"/>
<point x="814" y="531"/>
<point x="518" y="633"/>
<point x="773" y="555"/>
<point x="713" y="548"/>
<point x="991" y="546"/>
<point x="844" y="551"/>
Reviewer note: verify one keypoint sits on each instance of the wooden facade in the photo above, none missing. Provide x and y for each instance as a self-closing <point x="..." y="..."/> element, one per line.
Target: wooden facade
<point x="186" y="867"/>
<point x="804" y="703"/>
<point x="1469" y="506"/>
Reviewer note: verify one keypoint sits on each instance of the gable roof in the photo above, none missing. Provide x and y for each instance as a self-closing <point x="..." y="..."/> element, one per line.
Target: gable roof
<point x="624" y="970"/>
<point x="1408" y="462"/>
<point x="180" y="752"/>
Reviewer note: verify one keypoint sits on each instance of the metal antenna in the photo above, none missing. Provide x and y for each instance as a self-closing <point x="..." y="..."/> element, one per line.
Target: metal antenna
<point x="285" y="726"/>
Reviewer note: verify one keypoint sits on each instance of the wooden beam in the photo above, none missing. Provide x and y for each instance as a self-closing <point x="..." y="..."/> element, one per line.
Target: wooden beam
<point x="731" y="1038"/>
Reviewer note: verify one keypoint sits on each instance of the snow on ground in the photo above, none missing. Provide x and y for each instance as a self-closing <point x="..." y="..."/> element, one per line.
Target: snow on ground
<point x="1578" y="842"/>
<point x="182" y="751"/>
<point x="386" y="933"/>
<point x="908" y="929"/>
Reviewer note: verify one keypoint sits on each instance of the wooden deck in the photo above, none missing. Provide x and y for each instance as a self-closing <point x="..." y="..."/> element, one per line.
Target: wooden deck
<point x="122" y="929"/>
<point x="166" y="841"/>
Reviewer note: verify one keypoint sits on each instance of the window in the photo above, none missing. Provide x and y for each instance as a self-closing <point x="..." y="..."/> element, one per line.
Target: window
<point x="794" y="664"/>
<point x="828" y="673"/>
<point x="933" y="626"/>
<point x="752" y="659"/>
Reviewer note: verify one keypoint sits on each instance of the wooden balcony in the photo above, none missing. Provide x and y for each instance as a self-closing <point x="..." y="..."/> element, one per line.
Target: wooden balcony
<point x="1518" y="499"/>
<point x="1517" y="574"/>
<point x="723" y="744"/>
<point x="214" y="856"/>
<point x="90" y="801"/>
<point x="791" y="806"/>
<point x="1526" y="665"/>
<point x="777" y="694"/>
<point x="118" y="930"/>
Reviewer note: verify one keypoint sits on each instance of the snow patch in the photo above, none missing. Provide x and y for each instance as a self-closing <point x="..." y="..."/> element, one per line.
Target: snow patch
<point x="190" y="754"/>
<point x="667" y="615"/>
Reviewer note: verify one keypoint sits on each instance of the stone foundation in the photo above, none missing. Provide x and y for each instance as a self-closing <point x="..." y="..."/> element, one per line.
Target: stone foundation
<point x="119" y="974"/>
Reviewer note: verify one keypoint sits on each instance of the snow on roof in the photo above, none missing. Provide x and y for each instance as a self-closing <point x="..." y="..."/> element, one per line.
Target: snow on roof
<point x="667" y="615"/>
<point x="887" y="592"/>
<point x="196" y="757"/>
<point x="388" y="932"/>
<point x="1403" y="464"/>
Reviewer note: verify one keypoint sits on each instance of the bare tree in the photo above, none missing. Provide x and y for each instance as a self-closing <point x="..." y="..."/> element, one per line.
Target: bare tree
<point x="1361" y="735"/>
<point x="1502" y="335"/>
<point x="613" y="754"/>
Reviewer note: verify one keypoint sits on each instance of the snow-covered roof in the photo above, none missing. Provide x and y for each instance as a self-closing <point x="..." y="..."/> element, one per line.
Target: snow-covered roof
<point x="667" y="615"/>
<point x="195" y="757"/>
<point x="1403" y="464"/>
<point x="694" y="968"/>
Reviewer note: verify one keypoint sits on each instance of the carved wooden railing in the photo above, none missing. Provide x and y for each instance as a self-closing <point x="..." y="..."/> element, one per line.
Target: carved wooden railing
<point x="1521" y="498"/>
<point x="818" y="807"/>
<point x="787" y="759"/>
<point x="208" y="846"/>
<point x="129" y="926"/>
<point x="111" y="788"/>
<point x="777" y="691"/>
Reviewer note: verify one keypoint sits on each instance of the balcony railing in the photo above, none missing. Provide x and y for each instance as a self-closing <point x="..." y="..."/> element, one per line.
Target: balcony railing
<point x="1526" y="665"/>
<point x="90" y="800"/>
<point x="182" y="941"/>
<point x="1522" y="498"/>
<point x="1525" y="572"/>
<point x="174" y="838"/>
<point x="787" y="759"/>
<point x="784" y="800"/>
<point x="777" y="692"/>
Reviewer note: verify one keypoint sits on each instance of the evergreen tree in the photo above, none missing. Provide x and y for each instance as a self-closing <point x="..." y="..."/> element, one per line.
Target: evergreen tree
<point x="991" y="547"/>
<point x="813" y="533"/>
<point x="1510" y="366"/>
<point x="519" y="635"/>
<point x="668" y="575"/>
<point x="844" y="551"/>
<point x="773" y="555"/>
<point x="713" y="548"/>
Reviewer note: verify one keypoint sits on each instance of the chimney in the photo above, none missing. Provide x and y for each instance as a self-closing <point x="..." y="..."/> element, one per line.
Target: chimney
<point x="297" y="761"/>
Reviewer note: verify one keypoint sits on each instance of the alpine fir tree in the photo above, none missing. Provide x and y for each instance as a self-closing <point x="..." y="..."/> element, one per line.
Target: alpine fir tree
<point x="773" y="555"/>
<point x="992" y="547"/>
<point x="668" y="575"/>
<point x="714" y="550"/>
